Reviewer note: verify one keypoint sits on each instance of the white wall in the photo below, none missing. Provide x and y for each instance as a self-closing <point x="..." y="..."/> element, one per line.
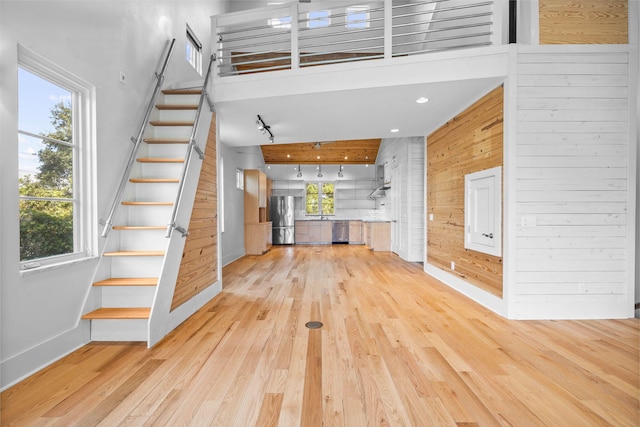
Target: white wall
<point x="575" y="195"/>
<point x="94" y="40"/>
<point x="233" y="235"/>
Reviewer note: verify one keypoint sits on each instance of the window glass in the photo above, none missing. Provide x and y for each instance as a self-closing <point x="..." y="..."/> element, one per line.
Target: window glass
<point x="357" y="17"/>
<point x="319" y="198"/>
<point x="318" y="19"/>
<point x="282" y="22"/>
<point x="47" y="152"/>
<point x="193" y="50"/>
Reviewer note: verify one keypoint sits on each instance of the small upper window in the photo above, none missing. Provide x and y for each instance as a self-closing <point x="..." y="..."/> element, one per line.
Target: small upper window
<point x="282" y="22"/>
<point x="318" y="18"/>
<point x="239" y="179"/>
<point x="357" y="17"/>
<point x="193" y="49"/>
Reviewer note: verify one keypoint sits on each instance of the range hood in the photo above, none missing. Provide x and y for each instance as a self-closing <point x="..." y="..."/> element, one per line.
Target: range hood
<point x="383" y="184"/>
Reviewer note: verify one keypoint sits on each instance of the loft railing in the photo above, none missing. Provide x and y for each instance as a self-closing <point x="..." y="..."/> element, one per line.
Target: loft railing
<point x="301" y="35"/>
<point x="193" y="146"/>
<point x="137" y="141"/>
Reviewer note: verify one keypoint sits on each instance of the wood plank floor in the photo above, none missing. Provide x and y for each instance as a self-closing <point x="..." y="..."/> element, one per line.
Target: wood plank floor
<point x="396" y="348"/>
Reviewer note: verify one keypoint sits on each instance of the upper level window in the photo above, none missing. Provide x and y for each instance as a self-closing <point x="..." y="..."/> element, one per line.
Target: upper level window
<point x="282" y="22"/>
<point x="318" y="18"/>
<point x="53" y="207"/>
<point x="357" y="17"/>
<point x="193" y="49"/>
<point x="320" y="198"/>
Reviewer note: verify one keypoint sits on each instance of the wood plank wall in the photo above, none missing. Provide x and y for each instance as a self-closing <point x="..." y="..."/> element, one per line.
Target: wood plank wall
<point x="573" y="150"/>
<point x="199" y="265"/>
<point x="583" y="21"/>
<point x="470" y="142"/>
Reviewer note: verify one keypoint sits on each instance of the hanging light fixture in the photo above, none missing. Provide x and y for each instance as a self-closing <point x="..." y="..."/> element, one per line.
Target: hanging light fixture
<point x="299" y="175"/>
<point x="320" y="171"/>
<point x="340" y="174"/>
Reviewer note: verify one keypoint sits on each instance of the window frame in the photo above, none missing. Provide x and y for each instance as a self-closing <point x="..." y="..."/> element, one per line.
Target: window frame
<point x="193" y="46"/>
<point x="84" y="163"/>
<point x="321" y="194"/>
<point x="358" y="24"/>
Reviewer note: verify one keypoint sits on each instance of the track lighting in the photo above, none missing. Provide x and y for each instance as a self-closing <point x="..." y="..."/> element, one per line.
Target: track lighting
<point x="320" y="171"/>
<point x="340" y="174"/>
<point x="265" y="129"/>
<point x="299" y="175"/>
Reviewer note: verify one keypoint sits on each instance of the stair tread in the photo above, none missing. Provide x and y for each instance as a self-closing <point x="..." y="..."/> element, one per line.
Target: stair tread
<point x="160" y="160"/>
<point x="147" y="203"/>
<point x="182" y="91"/>
<point x="177" y="106"/>
<point x="128" y="281"/>
<point x="119" y="313"/>
<point x="165" y="141"/>
<point x="154" y="180"/>
<point x="139" y="227"/>
<point x="135" y="253"/>
<point x="170" y="123"/>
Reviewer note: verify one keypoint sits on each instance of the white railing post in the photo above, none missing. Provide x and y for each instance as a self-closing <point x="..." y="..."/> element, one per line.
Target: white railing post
<point x="499" y="22"/>
<point x="388" y="29"/>
<point x="295" y="45"/>
<point x="214" y="45"/>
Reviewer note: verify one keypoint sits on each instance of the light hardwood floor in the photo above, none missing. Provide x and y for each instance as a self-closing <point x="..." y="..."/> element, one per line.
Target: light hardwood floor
<point x="397" y="348"/>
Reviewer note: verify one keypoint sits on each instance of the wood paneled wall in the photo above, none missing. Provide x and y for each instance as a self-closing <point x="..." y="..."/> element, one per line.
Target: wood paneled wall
<point x="583" y="21"/>
<point x="199" y="266"/>
<point x="470" y="142"/>
<point x="573" y="154"/>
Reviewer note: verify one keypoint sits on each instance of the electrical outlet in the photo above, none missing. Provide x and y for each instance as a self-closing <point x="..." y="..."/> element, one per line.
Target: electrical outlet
<point x="453" y="265"/>
<point x="123" y="77"/>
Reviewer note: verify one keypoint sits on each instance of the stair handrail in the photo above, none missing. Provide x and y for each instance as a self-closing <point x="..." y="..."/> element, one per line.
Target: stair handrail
<point x="137" y="141"/>
<point x="193" y="145"/>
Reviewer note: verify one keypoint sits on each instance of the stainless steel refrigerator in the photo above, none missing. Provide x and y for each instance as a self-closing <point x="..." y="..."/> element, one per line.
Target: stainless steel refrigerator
<point x="281" y="210"/>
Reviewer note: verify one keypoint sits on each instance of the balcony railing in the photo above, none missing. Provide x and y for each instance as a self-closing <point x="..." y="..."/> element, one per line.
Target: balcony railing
<point x="299" y="35"/>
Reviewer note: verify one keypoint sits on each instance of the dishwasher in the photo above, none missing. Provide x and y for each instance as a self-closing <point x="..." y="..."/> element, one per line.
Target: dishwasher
<point x="340" y="232"/>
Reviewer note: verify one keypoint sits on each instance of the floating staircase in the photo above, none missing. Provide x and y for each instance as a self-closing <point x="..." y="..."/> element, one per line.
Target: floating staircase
<point x="120" y="303"/>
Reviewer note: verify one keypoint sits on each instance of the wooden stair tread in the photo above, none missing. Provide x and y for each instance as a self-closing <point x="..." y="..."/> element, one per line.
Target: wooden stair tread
<point x="154" y="180"/>
<point x="119" y="313"/>
<point x="182" y="91"/>
<point x="165" y="141"/>
<point x="139" y="227"/>
<point x="176" y="106"/>
<point x="128" y="281"/>
<point x="160" y="160"/>
<point x="135" y="253"/>
<point x="147" y="203"/>
<point x="165" y="123"/>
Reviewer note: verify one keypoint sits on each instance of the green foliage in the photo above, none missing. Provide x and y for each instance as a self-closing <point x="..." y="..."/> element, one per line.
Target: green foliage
<point x="316" y="192"/>
<point x="312" y="198"/>
<point x="46" y="227"/>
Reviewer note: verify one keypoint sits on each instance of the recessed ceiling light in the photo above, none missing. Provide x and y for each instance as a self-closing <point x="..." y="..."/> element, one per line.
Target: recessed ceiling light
<point x="346" y="158"/>
<point x="395" y="130"/>
<point x="288" y="155"/>
<point x="318" y="157"/>
<point x="422" y="100"/>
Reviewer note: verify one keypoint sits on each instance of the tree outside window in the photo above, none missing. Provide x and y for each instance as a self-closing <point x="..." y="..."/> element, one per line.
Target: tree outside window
<point x="320" y="198"/>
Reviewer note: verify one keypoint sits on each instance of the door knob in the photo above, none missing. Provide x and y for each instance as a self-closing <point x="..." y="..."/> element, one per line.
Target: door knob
<point x="490" y="235"/>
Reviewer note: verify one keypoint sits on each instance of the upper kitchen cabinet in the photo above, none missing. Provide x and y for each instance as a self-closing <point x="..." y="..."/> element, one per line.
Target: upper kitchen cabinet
<point x="255" y="196"/>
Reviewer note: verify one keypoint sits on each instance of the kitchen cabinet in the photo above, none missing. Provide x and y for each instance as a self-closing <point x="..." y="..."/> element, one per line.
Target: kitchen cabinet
<point x="378" y="235"/>
<point x="314" y="232"/>
<point x="257" y="231"/>
<point x="355" y="232"/>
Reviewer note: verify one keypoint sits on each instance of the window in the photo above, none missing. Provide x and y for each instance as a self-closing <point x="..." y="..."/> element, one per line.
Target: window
<point x="54" y="121"/>
<point x="193" y="49"/>
<point x="320" y="196"/>
<point x="239" y="179"/>
<point x="318" y="19"/>
<point x="282" y="22"/>
<point x="357" y="17"/>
